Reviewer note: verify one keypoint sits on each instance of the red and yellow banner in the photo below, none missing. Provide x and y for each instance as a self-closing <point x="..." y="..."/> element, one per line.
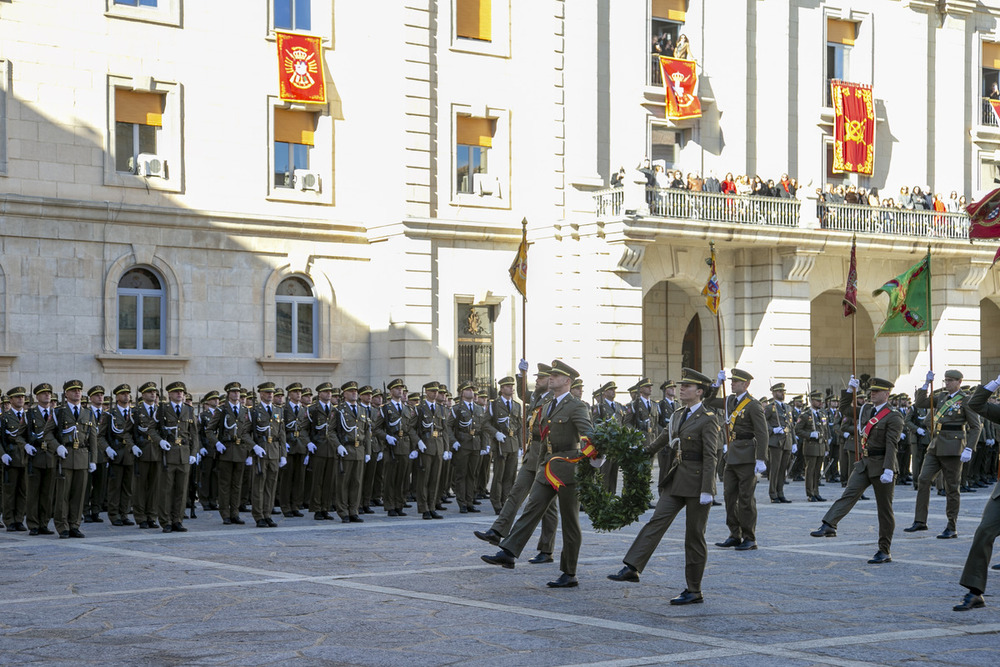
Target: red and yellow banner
<point x="680" y="84"/>
<point x="853" y="127"/>
<point x="984" y="217"/>
<point x="995" y="105"/>
<point x="300" y="68"/>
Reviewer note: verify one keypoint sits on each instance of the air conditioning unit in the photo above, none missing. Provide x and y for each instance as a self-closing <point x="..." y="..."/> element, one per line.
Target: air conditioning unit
<point x="151" y="165"/>
<point x="484" y="184"/>
<point x="306" y="180"/>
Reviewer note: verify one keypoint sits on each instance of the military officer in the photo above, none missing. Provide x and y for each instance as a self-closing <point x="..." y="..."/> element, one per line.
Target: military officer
<point x="72" y="435"/>
<point x="486" y="442"/>
<point x="349" y="433"/>
<point x="443" y="495"/>
<point x="780" y="442"/>
<point x="429" y="436"/>
<point x="40" y="463"/>
<point x="395" y="434"/>
<point x="149" y="464"/>
<point x="291" y="477"/>
<point x="566" y="424"/>
<point x="813" y="430"/>
<point x="97" y="481"/>
<point x="505" y="413"/>
<point x="208" y="488"/>
<point x="878" y="428"/>
<point x="121" y="459"/>
<point x="232" y="428"/>
<point x="668" y="404"/>
<point x="371" y="481"/>
<point x="321" y="454"/>
<point x="848" y="447"/>
<point x="14" y="423"/>
<point x="268" y="454"/>
<point x="465" y="421"/>
<point x="608" y="409"/>
<point x="834" y="417"/>
<point x="180" y="443"/>
<point x="644" y="413"/>
<point x="693" y="438"/>
<point x="956" y="432"/>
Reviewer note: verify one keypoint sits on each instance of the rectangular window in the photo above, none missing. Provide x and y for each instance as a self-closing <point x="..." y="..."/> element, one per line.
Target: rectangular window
<point x="136" y="3"/>
<point x="295" y="330"/>
<point x="473" y="19"/>
<point x="292" y="15"/>
<point x="664" y="145"/>
<point x="839" y="40"/>
<point x="283" y="343"/>
<point x="138" y="117"/>
<point x="294" y="135"/>
<point x="989" y="173"/>
<point x="128" y="322"/>
<point x="151" y="323"/>
<point x="475" y="343"/>
<point x="473" y="139"/>
<point x="991" y="82"/>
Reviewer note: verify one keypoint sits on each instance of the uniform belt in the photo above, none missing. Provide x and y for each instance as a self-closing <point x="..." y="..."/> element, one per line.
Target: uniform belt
<point x="743" y="436"/>
<point x="554" y="450"/>
<point x="876" y="452"/>
<point x="691" y="456"/>
<point x="952" y="427"/>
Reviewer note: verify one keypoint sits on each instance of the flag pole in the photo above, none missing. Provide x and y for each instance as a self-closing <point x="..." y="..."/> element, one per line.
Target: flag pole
<point x="718" y="330"/>
<point x="930" y="339"/>
<point x="854" y="374"/>
<point x="524" y="343"/>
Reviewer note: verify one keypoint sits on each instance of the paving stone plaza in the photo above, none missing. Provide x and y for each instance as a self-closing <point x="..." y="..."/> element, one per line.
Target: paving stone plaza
<point x="412" y="592"/>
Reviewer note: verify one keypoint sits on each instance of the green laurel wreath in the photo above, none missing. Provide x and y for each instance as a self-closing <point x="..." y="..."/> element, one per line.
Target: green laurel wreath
<point x="607" y="511"/>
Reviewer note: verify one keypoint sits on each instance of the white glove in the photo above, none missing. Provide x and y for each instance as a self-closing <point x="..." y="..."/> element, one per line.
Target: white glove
<point x="282" y="461"/>
<point x="219" y="447"/>
<point x="447" y="455"/>
<point x="705" y="499"/>
<point x="759" y="467"/>
<point x="288" y="448"/>
<point x="455" y="445"/>
<point x="846" y="435"/>
<point x="795" y="448"/>
<point x="368" y="457"/>
<point x="777" y="430"/>
<point x="379" y="457"/>
<point x="391" y="440"/>
<point x="487" y="450"/>
<point x="929" y="378"/>
<point x="421" y="446"/>
<point x="197" y="459"/>
<point x="311" y="447"/>
<point x="500" y="436"/>
<point x="597" y="463"/>
<point x="136" y="451"/>
<point x="414" y="454"/>
<point x="814" y="435"/>
<point x="902" y="436"/>
<point x="203" y="452"/>
<point x="725" y="448"/>
<point x="29" y="450"/>
<point x="6" y="459"/>
<point x="258" y="450"/>
<point x="853" y="385"/>
<point x="921" y="431"/>
<point x="721" y="377"/>
<point x="192" y="460"/>
<point x="886" y="477"/>
<point x="164" y="445"/>
<point x="111" y="453"/>
<point x="92" y="467"/>
<point x="522" y="365"/>
<point x="341" y="450"/>
<point x="249" y="461"/>
<point x="305" y="461"/>
<point x="61" y="451"/>
<point x="966" y="455"/>
<point x="991" y="442"/>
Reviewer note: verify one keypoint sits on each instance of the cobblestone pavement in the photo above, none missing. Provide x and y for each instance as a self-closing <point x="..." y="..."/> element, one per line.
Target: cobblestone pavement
<point x="412" y="592"/>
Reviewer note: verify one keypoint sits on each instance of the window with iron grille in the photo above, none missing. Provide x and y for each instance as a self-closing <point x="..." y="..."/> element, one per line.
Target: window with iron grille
<point x="475" y="344"/>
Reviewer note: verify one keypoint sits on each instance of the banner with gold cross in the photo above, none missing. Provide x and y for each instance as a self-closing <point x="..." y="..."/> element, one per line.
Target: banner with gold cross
<point x="300" y="68"/>
<point x="853" y="127"/>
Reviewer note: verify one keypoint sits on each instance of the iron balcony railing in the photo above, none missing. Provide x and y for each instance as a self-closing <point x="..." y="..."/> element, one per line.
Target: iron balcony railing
<point x="893" y="221"/>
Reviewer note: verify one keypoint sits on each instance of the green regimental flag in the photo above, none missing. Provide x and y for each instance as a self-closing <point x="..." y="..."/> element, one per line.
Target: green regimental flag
<point x="909" y="301"/>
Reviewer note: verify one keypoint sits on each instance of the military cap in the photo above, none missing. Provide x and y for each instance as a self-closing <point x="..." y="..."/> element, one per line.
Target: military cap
<point x="324" y="386"/>
<point x="965" y="387"/>
<point x="780" y="386"/>
<point x="96" y="389"/>
<point x="376" y="392"/>
<point x="233" y="386"/>
<point x="560" y="368"/>
<point x="350" y="385"/>
<point x="43" y="387"/>
<point x="266" y="386"/>
<point x="878" y="384"/>
<point x="816" y="395"/>
<point x="16" y="391"/>
<point x="544" y="370"/>
<point x="337" y="391"/>
<point x="442" y="387"/>
<point x="295" y="386"/>
<point x="483" y="393"/>
<point x="211" y="395"/>
<point x="577" y="383"/>
<point x="468" y="384"/>
<point x="176" y="386"/>
<point x="4" y="398"/>
<point x="597" y="392"/>
<point x="904" y="397"/>
<point x="633" y="388"/>
<point x="607" y="386"/>
<point x="278" y="391"/>
<point x="306" y="391"/>
<point x="147" y="386"/>
<point x="830" y="396"/>
<point x="365" y="390"/>
<point x="644" y="382"/>
<point x="413" y="396"/>
<point x="504" y="381"/>
<point x="122" y="389"/>
<point x="244" y="392"/>
<point x="431" y="386"/>
<point x="691" y="376"/>
<point x="73" y="384"/>
<point x="740" y="376"/>
<point x="953" y="374"/>
<point x="396" y="382"/>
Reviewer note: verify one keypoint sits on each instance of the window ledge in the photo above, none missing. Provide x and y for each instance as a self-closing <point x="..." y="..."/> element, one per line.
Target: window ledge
<point x="7" y="361"/>
<point x="169" y="14"/>
<point x="292" y="365"/>
<point x="142" y="363"/>
<point x="476" y="201"/>
<point x="124" y="179"/>
<point x="300" y="196"/>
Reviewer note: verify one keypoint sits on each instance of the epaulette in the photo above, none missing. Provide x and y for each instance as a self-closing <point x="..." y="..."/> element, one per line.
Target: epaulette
<point x="708" y="412"/>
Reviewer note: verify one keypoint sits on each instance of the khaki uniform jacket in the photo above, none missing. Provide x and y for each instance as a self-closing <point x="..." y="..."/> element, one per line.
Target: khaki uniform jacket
<point x="234" y="431"/>
<point x="354" y="433"/>
<point x="979" y="403"/>
<point x="666" y="409"/>
<point x="37" y="424"/>
<point x="296" y="429"/>
<point x="780" y="414"/>
<point x="507" y="422"/>
<point x="376" y="444"/>
<point x="749" y="434"/>
<point x="564" y="425"/>
<point x="949" y="442"/>
<point x="208" y="438"/>
<point x="120" y="436"/>
<point x="430" y="427"/>
<point x="394" y="423"/>
<point x="641" y="418"/>
<point x="605" y="411"/>
<point x="15" y="436"/>
<point x="808" y="422"/>
<point x="269" y="431"/>
<point x="880" y="450"/>
<point x="147" y="431"/>
<point x="694" y="449"/>
<point x="318" y="421"/>
<point x="466" y="425"/>
<point x="77" y="435"/>
<point x="102" y="421"/>
<point x="181" y="432"/>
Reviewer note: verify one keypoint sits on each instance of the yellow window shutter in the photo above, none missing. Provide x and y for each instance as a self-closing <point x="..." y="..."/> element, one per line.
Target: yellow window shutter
<point x="294" y="127"/>
<point x="840" y="32"/>
<point x="140" y="108"/>
<point x="991" y="55"/>
<point x="672" y="10"/>
<point x="475" y="131"/>
<point x="473" y="19"/>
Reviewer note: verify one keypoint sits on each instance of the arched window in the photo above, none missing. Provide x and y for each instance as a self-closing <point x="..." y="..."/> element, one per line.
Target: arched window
<point x="296" y="318"/>
<point x="142" y="313"/>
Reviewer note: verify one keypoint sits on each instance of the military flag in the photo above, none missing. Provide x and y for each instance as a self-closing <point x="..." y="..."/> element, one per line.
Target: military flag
<point x="711" y="290"/>
<point x="851" y="293"/>
<point x="300" y="68"/>
<point x="680" y="88"/>
<point x="519" y="268"/>
<point x="909" y="301"/>
<point x="984" y="217"/>
<point x="853" y="127"/>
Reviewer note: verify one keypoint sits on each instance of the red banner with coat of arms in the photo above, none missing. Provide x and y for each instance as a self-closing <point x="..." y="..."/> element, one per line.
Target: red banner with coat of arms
<point x="300" y="68"/>
<point x="853" y="127"/>
<point x="680" y="83"/>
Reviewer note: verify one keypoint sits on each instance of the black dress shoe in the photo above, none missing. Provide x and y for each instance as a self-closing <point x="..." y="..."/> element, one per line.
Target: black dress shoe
<point x="784" y="499"/>
<point x="942" y="492"/>
<point x="948" y="534"/>
<point x="20" y="527"/>
<point x="354" y="518"/>
<point x="87" y="518"/>
<point x="491" y="536"/>
<point x="143" y="525"/>
<point x="288" y="515"/>
<point x="238" y="521"/>
<point x="820" y="499"/>
<point x="96" y="518"/>
<point x="271" y="523"/>
<point x="243" y="508"/>
<point x="392" y="513"/>
<point x="407" y="506"/>
<point x="275" y="511"/>
<point x="426" y="515"/>
<point x="64" y="535"/>
<point x="261" y="523"/>
<point x="329" y="517"/>
<point x="168" y="529"/>
<point x="970" y="601"/>
<point x="474" y="510"/>
<point x="564" y="581"/>
<point x="879" y="558"/>
<point x="117" y="522"/>
<point x="625" y="574"/>
<point x="345" y="519"/>
<point x="401" y="513"/>
<point x="716" y="503"/>
<point x="811" y="499"/>
<point x="917" y="525"/>
<point x="435" y="515"/>
<point x="441" y="507"/>
<point x="45" y="530"/>
<point x="178" y="527"/>
<point x="462" y="509"/>
<point x="153" y="524"/>
<point x="366" y="510"/>
<point x="297" y="514"/>
<point x="33" y="531"/>
<point x="127" y="522"/>
<point x="775" y="501"/>
<point x="501" y="558"/>
<point x="826" y="530"/>
<point x="864" y="497"/>
<point x="747" y="545"/>
<point x="227" y="522"/>
<point x="729" y="542"/>
<point x="996" y="567"/>
<point x="542" y="557"/>
<point x="75" y="532"/>
<point x="11" y="528"/>
<point x="687" y="597"/>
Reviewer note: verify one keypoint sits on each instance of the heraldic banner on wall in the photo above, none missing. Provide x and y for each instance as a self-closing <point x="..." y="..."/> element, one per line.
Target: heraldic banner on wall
<point x="853" y="127"/>
<point x="300" y="68"/>
<point x="680" y="83"/>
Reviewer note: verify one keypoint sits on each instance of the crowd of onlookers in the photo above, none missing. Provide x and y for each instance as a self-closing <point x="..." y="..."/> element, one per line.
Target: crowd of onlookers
<point x="916" y="199"/>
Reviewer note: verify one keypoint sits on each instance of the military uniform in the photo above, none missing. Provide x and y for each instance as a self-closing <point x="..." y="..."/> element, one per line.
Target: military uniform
<point x="506" y="417"/>
<point x="15" y="480"/>
<point x="667" y="407"/>
<point x="466" y="421"/>
<point x="813" y="430"/>
<point x="879" y="427"/>
<point x="980" y="551"/>
<point x="268" y="455"/>
<point x="97" y="481"/>
<point x="609" y="410"/>
<point x="644" y="414"/>
<point x="208" y="473"/>
<point x="371" y="482"/>
<point x="291" y="478"/>
<point x="430" y="438"/>
<point x="321" y="457"/>
<point x="149" y="462"/>
<point x="72" y="435"/>
<point x="121" y="466"/>
<point x="780" y="436"/>
<point x="393" y="429"/>
<point x="349" y="433"/>
<point x="179" y="429"/>
<point x="41" y="466"/>
<point x="232" y="428"/>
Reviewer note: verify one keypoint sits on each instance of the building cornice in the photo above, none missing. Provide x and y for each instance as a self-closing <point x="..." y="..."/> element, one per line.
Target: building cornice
<point x="438" y="229"/>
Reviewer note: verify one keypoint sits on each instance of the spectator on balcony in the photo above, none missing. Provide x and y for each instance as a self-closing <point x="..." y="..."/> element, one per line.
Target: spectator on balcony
<point x="618" y="178"/>
<point x="760" y="188"/>
<point x="851" y="196"/>
<point x="905" y="199"/>
<point x="667" y="44"/>
<point x="962" y="203"/>
<point x="683" y="48"/>
<point x="995" y="93"/>
<point x="677" y="183"/>
<point x="939" y="204"/>
<point x="646" y="170"/>
<point x="728" y="185"/>
<point x="743" y="187"/>
<point x="786" y="187"/>
<point x="712" y="183"/>
<point x="695" y="182"/>
<point x="919" y="201"/>
<point x="839" y="195"/>
<point x="873" y="199"/>
<point x="952" y="204"/>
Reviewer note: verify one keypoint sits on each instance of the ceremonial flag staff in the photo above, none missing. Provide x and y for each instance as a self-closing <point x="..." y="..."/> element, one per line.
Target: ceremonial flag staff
<point x="712" y="295"/>
<point x="519" y="276"/>
<point x="930" y="340"/>
<point x="850" y="308"/>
